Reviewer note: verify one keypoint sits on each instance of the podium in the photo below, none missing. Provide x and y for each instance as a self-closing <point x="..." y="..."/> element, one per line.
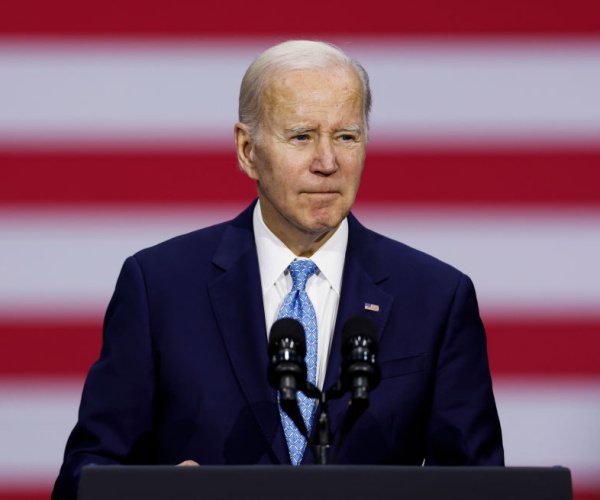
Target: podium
<point x="353" y="482"/>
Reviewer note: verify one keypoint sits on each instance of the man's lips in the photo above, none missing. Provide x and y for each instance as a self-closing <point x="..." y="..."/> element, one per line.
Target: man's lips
<point x="321" y="192"/>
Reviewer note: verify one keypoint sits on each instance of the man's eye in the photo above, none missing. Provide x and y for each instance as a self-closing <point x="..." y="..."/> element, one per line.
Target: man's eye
<point x="347" y="137"/>
<point x="301" y="137"/>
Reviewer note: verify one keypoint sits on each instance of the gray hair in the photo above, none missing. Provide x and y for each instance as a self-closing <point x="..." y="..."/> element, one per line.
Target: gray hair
<point x="289" y="56"/>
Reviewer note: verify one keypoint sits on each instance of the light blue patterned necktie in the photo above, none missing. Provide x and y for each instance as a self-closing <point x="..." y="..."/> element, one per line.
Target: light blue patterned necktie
<point x="298" y="306"/>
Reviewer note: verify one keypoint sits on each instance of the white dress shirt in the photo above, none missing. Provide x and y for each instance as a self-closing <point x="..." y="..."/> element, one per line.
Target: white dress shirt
<point x="323" y="288"/>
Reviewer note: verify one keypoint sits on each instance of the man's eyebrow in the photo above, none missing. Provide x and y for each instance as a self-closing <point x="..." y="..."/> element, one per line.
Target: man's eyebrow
<point x="303" y="130"/>
<point x="352" y="128"/>
<point x="299" y="130"/>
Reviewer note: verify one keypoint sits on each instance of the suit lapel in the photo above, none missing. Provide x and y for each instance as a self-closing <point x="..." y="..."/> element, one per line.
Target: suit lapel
<point x="365" y="269"/>
<point x="236" y="299"/>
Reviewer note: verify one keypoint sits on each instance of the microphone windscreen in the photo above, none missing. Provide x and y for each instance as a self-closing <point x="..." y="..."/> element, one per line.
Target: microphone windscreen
<point x="287" y="328"/>
<point x="359" y="326"/>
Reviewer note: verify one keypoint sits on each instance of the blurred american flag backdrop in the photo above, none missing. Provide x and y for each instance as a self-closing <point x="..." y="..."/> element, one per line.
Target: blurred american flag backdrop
<point x="116" y="132"/>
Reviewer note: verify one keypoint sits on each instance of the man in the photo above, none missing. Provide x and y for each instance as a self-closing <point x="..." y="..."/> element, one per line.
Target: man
<point x="182" y="377"/>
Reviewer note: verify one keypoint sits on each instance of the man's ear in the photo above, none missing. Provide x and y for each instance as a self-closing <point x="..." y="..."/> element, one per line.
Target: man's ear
<point x="244" y="145"/>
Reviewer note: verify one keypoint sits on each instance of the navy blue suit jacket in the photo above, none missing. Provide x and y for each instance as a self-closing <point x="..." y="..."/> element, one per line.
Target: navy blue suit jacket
<point x="183" y="368"/>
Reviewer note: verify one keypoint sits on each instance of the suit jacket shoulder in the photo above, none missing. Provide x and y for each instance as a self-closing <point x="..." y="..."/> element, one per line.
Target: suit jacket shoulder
<point x="218" y="244"/>
<point x="396" y="265"/>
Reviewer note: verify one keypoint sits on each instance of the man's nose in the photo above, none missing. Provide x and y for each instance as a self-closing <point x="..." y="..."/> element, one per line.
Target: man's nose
<point x="325" y="160"/>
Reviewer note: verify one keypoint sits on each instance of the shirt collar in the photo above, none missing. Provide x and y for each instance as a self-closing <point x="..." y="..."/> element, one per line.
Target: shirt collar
<point x="274" y="257"/>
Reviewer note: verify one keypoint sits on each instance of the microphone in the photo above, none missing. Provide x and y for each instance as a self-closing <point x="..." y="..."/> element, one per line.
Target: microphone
<point x="360" y="371"/>
<point x="287" y="348"/>
<point x="287" y="367"/>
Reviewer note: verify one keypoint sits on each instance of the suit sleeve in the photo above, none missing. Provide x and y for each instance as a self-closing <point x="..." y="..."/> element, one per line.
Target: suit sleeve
<point x="464" y="428"/>
<point x="115" y="424"/>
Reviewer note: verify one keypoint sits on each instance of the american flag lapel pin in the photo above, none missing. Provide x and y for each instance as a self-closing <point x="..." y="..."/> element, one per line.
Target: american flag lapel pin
<point x="371" y="307"/>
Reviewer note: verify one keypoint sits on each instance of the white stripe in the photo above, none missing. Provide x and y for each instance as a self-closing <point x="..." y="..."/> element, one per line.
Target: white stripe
<point x="66" y="263"/>
<point x="521" y="262"/>
<point x="433" y="91"/>
<point x="544" y="423"/>
<point x="547" y="423"/>
<point x="35" y="421"/>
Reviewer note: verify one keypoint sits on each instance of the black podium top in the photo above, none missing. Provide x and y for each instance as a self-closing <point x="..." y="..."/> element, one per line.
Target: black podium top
<point x="324" y="483"/>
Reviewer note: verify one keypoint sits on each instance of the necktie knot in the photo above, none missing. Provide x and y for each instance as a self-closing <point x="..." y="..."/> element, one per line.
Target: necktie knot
<point x="300" y="271"/>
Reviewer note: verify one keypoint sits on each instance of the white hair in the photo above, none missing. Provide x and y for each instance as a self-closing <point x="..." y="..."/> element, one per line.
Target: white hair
<point x="289" y="56"/>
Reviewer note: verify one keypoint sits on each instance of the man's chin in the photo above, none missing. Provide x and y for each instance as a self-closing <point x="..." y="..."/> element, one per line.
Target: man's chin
<point x="323" y="226"/>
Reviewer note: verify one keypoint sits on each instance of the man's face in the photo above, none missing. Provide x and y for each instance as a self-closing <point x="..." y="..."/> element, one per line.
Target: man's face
<point x="309" y="158"/>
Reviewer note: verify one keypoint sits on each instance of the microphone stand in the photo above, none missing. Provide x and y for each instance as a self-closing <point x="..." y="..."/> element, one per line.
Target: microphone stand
<point x="323" y="437"/>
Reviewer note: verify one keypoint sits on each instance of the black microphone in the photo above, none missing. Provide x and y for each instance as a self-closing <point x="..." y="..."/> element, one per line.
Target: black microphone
<point x="360" y="371"/>
<point x="287" y="348"/>
<point x="287" y="367"/>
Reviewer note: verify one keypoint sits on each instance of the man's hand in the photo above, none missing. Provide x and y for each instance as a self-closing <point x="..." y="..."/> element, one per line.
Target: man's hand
<point x="187" y="463"/>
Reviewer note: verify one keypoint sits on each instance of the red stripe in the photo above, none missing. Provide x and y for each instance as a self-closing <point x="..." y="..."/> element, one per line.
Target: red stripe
<point x="271" y="17"/>
<point x="586" y="494"/>
<point x="539" y="348"/>
<point x="26" y="493"/>
<point x="41" y="349"/>
<point x="451" y="177"/>
<point x="544" y="348"/>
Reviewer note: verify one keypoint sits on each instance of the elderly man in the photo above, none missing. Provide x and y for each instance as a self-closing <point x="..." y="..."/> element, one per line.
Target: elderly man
<point x="182" y="376"/>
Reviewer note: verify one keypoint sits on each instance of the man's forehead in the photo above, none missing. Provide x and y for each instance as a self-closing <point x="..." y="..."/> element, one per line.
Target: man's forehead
<point x="307" y="83"/>
<point x="305" y="93"/>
